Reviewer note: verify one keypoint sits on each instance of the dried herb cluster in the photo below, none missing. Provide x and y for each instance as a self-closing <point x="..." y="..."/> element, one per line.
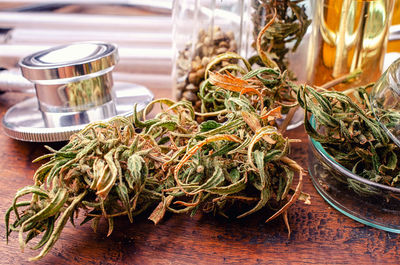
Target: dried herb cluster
<point x="387" y="108"/>
<point x="288" y="24"/>
<point x="168" y="163"/>
<point x="265" y="87"/>
<point x="348" y="130"/>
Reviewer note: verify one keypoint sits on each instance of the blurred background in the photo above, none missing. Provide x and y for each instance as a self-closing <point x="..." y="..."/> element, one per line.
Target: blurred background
<point x="141" y="29"/>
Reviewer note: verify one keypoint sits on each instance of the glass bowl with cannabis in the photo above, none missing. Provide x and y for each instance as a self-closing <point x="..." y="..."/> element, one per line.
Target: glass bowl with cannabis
<point x="365" y="201"/>
<point x="352" y="162"/>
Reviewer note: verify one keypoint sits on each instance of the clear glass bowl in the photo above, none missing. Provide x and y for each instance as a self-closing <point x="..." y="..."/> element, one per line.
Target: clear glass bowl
<point x="365" y="201"/>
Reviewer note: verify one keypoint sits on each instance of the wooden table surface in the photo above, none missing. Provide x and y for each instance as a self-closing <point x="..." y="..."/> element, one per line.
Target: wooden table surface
<point x="320" y="234"/>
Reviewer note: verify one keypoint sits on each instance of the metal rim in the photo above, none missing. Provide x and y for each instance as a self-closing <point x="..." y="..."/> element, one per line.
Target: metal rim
<point x="86" y="58"/>
<point x="127" y="95"/>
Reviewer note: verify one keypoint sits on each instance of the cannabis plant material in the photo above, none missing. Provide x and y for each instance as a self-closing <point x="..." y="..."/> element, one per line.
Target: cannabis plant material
<point x="349" y="132"/>
<point x="391" y="119"/>
<point x="387" y="110"/>
<point x="288" y="24"/>
<point x="113" y="168"/>
<point x="106" y="170"/>
<point x="263" y="87"/>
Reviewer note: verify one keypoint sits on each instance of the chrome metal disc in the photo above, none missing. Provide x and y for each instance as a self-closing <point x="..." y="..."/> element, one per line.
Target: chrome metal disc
<point x="24" y="121"/>
<point x="71" y="62"/>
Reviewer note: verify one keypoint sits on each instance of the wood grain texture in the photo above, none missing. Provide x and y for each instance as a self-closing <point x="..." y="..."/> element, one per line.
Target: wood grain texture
<point x="320" y="234"/>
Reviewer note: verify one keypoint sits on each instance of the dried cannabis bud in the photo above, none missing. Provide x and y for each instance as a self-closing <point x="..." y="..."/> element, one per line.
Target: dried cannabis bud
<point x="349" y="132"/>
<point x="112" y="169"/>
<point x="265" y="87"/>
<point x="288" y="25"/>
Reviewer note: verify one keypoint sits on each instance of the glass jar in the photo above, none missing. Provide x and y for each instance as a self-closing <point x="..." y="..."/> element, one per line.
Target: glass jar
<point x="203" y="29"/>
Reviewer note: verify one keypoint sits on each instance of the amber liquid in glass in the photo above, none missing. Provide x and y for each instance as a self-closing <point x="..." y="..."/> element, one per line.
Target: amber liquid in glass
<point x="348" y="35"/>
